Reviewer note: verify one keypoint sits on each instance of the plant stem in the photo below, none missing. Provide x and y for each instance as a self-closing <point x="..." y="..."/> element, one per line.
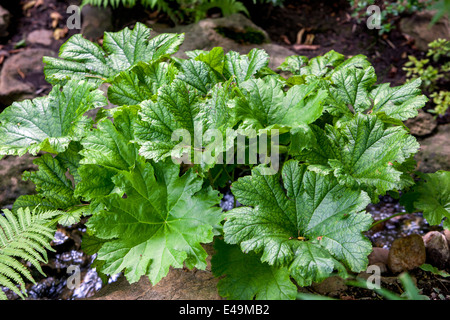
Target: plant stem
<point x="385" y="219"/>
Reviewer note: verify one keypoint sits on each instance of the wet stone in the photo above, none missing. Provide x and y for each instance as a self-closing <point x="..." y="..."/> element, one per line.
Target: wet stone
<point x="406" y="253"/>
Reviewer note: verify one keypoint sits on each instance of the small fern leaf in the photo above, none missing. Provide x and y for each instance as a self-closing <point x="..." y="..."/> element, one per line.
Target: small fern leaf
<point x="4" y="281"/>
<point x="24" y="235"/>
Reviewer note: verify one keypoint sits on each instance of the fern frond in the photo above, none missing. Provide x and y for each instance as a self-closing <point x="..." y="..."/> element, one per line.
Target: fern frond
<point x="25" y="235"/>
<point x="112" y="3"/>
<point x="228" y="7"/>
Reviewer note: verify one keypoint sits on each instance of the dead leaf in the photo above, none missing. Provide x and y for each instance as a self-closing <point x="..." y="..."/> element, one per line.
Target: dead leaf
<point x="309" y="39"/>
<point x="348" y="17"/>
<point x="60" y="33"/>
<point x="389" y="42"/>
<point x="305" y="47"/>
<point x="300" y="35"/>
<point x="285" y="39"/>
<point x="21" y="74"/>
<point x="56" y="17"/>
<point x="13" y="51"/>
<point x="393" y="72"/>
<point x="409" y="40"/>
<point x="29" y="5"/>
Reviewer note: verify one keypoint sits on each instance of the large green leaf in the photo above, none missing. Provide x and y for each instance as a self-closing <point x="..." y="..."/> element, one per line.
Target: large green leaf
<point x="247" y="278"/>
<point x="55" y="191"/>
<point x="402" y="102"/>
<point x="140" y="83"/>
<point x="431" y="195"/>
<point x="81" y="59"/>
<point x="264" y="104"/>
<point x="243" y="67"/>
<point x="323" y="65"/>
<point x="161" y="222"/>
<point x="109" y="145"/>
<point x="351" y="87"/>
<point x="178" y="112"/>
<point x="312" y="226"/>
<point x="48" y="123"/>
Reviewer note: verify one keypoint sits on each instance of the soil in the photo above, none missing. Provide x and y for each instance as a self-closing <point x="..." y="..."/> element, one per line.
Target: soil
<point x="333" y="29"/>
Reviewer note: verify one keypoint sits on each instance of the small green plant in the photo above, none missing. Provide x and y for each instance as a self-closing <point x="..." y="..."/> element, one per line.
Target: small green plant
<point x="24" y="235"/>
<point x="435" y="74"/>
<point x="441" y="101"/>
<point x="147" y="172"/>
<point x="411" y="292"/>
<point x="390" y="11"/>
<point x="421" y="68"/>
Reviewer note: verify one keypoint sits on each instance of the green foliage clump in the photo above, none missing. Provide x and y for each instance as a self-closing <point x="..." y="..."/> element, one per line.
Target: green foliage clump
<point x="389" y="11"/>
<point x="434" y="72"/>
<point x="147" y="171"/>
<point x="23" y="235"/>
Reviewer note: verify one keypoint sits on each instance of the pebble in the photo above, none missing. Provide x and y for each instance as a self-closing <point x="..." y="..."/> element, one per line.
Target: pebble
<point x="43" y="37"/>
<point x="406" y="253"/>
<point x="437" y="249"/>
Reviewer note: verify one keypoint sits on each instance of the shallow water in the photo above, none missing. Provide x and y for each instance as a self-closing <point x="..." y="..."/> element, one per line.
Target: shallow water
<point x="386" y="232"/>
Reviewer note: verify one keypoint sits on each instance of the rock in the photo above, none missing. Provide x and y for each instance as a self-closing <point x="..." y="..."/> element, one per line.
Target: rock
<point x="331" y="286"/>
<point x="378" y="255"/>
<point x="43" y="37"/>
<point x="5" y="18"/>
<point x="406" y="253"/>
<point x="447" y="236"/>
<point x="382" y="267"/>
<point x="95" y="21"/>
<point x="179" y="284"/>
<point x="422" y="125"/>
<point x="418" y="27"/>
<point x="434" y="153"/>
<point x="233" y="33"/>
<point x="11" y="184"/>
<point x="437" y="249"/>
<point x="26" y="63"/>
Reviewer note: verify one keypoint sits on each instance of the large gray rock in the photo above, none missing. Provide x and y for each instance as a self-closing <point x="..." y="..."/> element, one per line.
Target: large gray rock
<point x="27" y="63"/>
<point x="434" y="153"/>
<point x="418" y="26"/>
<point x="5" y="18"/>
<point x="422" y="125"/>
<point x="233" y="33"/>
<point x="438" y="252"/>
